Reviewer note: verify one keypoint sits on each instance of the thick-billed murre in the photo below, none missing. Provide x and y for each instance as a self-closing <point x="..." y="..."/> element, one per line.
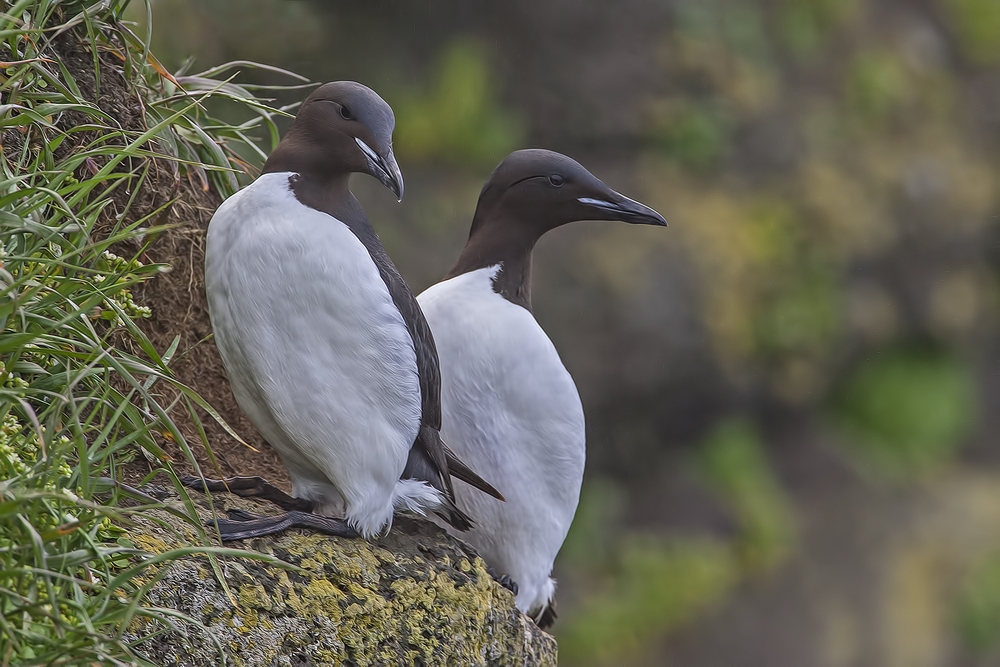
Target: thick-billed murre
<point x="326" y="348"/>
<point x="510" y="406"/>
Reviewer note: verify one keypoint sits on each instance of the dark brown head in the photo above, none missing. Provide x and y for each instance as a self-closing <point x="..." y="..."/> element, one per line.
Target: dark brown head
<point x="342" y="128"/>
<point x="541" y="190"/>
<point x="529" y="193"/>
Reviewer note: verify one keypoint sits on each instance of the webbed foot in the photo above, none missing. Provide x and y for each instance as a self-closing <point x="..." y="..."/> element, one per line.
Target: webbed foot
<point x="244" y="525"/>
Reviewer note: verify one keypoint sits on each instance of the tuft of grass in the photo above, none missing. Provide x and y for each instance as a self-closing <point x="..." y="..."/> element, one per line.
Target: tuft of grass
<point x="82" y="389"/>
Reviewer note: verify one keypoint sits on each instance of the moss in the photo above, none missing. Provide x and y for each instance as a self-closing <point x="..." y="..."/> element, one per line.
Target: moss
<point x="415" y="595"/>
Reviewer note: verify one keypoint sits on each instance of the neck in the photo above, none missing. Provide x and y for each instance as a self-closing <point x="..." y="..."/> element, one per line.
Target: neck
<point x="505" y="242"/>
<point x="296" y="153"/>
<point x="316" y="183"/>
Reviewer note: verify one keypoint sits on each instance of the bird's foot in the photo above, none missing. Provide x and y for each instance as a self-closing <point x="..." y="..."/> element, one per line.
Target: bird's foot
<point x="503" y="579"/>
<point x="244" y="525"/>
<point x="250" y="487"/>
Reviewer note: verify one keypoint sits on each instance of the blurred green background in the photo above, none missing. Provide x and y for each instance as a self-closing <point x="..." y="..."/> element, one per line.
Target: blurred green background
<point x="791" y="392"/>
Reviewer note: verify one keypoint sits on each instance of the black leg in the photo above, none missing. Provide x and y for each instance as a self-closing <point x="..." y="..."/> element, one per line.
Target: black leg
<point x="244" y="528"/>
<point x="503" y="579"/>
<point x="249" y="487"/>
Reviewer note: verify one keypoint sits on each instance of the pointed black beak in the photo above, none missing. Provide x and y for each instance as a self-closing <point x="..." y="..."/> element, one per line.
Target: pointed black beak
<point x="620" y="207"/>
<point x="384" y="168"/>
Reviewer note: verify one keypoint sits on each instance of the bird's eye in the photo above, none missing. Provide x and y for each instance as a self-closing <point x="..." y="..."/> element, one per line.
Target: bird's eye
<point x="556" y="180"/>
<point x="345" y="113"/>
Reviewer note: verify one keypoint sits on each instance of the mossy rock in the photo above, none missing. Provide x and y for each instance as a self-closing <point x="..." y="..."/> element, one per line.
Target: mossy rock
<point x="415" y="596"/>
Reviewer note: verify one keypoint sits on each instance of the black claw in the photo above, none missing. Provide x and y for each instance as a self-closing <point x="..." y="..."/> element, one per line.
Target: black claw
<point x="503" y="579"/>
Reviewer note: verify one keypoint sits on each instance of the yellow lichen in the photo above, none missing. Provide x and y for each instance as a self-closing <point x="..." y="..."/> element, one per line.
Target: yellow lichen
<point x="253" y="596"/>
<point x="149" y="543"/>
<point x="409" y="597"/>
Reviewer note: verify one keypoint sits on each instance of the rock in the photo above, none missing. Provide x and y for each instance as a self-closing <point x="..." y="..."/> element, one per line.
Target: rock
<point x="415" y="596"/>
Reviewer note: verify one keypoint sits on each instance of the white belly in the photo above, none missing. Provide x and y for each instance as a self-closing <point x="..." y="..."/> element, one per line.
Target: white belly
<point x="317" y="353"/>
<point x="511" y="411"/>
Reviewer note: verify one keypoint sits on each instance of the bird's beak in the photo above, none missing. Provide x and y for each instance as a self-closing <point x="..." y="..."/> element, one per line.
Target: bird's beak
<point x="384" y="168"/>
<point x="620" y="207"/>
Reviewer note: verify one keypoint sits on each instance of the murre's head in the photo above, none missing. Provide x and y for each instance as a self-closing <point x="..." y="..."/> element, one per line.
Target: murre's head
<point x="342" y="127"/>
<point x="529" y="193"/>
<point x="541" y="190"/>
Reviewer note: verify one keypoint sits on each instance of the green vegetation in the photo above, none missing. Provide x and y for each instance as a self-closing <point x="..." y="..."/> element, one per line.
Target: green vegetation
<point x="82" y="390"/>
<point x="457" y="119"/>
<point x="908" y="409"/>
<point x="736" y="467"/>
<point x="694" y="136"/>
<point x="645" y="584"/>
<point x="656" y="584"/>
<point x="806" y="25"/>
<point x="876" y="85"/>
<point x="977" y="23"/>
<point x="978" y="608"/>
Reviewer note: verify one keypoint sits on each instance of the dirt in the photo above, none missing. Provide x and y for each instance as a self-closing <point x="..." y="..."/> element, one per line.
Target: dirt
<point x="177" y="298"/>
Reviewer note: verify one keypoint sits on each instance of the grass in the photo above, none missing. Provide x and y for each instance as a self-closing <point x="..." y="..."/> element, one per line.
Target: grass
<point x="82" y="389"/>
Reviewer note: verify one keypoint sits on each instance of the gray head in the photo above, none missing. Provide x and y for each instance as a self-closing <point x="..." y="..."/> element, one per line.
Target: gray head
<point x="342" y="127"/>
<point x="529" y="193"/>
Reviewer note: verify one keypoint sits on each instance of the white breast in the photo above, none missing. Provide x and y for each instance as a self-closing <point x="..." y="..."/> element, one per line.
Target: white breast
<point x="317" y="353"/>
<point x="512" y="412"/>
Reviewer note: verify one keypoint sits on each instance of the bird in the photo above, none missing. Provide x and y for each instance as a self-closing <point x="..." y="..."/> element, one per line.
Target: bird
<point x="510" y="406"/>
<point x="326" y="349"/>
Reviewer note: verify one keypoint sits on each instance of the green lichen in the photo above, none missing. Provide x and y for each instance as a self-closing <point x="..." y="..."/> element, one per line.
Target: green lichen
<point x="414" y="596"/>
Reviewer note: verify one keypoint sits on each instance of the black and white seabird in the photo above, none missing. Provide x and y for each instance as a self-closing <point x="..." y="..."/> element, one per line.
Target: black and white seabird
<point x="510" y="406"/>
<point x="326" y="348"/>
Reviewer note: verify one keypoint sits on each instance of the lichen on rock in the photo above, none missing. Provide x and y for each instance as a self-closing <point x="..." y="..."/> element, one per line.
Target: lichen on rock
<point x="415" y="596"/>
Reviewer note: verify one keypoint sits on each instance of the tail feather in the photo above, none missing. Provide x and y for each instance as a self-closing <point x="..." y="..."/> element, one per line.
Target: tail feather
<point x="430" y="439"/>
<point x="459" y="470"/>
<point x="432" y="464"/>
<point x="417" y="496"/>
<point x="547" y="616"/>
<point x="458" y="519"/>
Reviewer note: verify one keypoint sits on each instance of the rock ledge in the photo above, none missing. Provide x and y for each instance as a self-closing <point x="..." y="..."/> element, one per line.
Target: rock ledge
<point x="416" y="596"/>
